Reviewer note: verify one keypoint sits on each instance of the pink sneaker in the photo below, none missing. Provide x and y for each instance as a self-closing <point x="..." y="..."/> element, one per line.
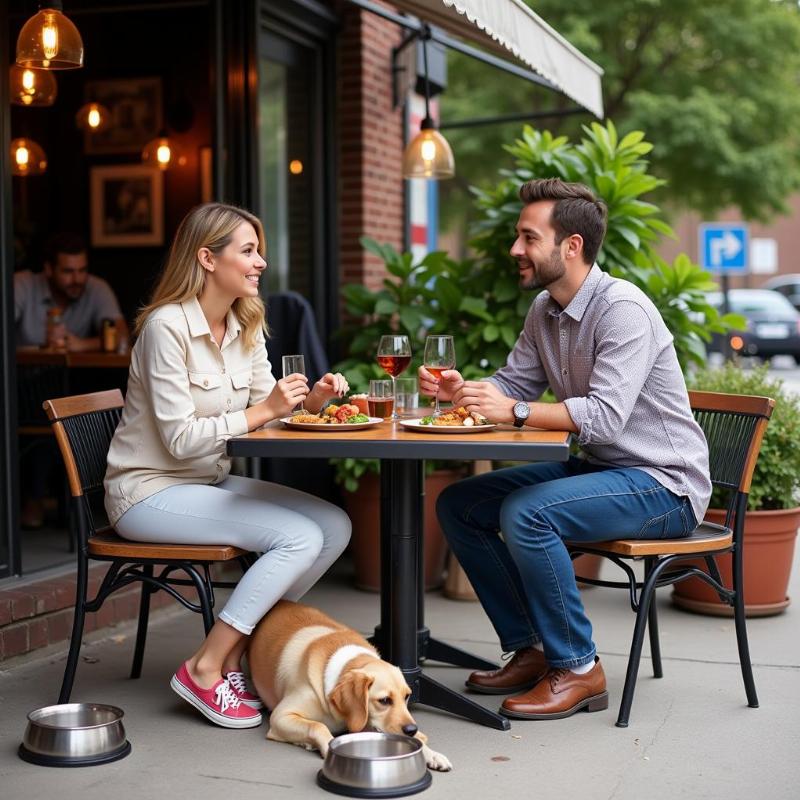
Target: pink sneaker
<point x="239" y="685"/>
<point x="219" y="703"/>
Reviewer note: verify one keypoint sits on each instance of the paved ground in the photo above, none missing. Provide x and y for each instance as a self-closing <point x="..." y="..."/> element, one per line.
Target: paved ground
<point x="691" y="733"/>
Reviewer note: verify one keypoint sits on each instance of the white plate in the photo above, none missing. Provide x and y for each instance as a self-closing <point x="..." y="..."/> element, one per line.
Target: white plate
<point x="311" y="426"/>
<point x="415" y="425"/>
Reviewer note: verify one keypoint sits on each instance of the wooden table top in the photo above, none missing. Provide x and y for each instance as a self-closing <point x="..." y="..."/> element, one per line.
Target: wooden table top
<point x="389" y="440"/>
<point x="93" y="358"/>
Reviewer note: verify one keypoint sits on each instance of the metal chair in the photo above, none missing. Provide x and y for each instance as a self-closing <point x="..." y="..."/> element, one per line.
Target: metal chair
<point x="83" y="427"/>
<point x="734" y="426"/>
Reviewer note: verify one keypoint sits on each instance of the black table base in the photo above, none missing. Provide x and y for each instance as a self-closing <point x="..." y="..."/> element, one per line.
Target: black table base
<point x="402" y="636"/>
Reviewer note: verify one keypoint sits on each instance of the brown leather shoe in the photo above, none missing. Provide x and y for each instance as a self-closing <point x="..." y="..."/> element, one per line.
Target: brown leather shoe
<point x="560" y="694"/>
<point x="524" y="669"/>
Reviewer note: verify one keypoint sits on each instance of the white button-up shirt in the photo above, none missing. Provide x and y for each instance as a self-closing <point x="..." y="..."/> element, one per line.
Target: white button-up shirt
<point x="186" y="397"/>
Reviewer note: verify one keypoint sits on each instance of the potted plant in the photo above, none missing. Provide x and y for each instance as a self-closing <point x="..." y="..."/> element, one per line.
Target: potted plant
<point x="773" y="508"/>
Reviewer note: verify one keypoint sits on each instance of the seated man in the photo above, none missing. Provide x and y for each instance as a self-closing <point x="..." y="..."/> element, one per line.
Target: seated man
<point x="84" y="299"/>
<point x="600" y="344"/>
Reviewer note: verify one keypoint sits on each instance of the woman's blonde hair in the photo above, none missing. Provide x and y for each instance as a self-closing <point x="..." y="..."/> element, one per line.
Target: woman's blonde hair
<point x="210" y="225"/>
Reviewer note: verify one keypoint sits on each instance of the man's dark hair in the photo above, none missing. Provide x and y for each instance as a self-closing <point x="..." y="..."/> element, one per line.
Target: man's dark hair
<point x="68" y="243"/>
<point x="576" y="210"/>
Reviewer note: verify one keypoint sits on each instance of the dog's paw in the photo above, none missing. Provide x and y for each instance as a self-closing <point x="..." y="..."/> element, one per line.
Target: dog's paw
<point x="436" y="761"/>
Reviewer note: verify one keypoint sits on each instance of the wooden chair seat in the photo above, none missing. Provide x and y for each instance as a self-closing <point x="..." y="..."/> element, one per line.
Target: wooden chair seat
<point x="706" y="538"/>
<point x="107" y="544"/>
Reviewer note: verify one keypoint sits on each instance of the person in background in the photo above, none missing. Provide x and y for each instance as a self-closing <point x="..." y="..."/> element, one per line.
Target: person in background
<point x="75" y="302"/>
<point x="199" y="375"/>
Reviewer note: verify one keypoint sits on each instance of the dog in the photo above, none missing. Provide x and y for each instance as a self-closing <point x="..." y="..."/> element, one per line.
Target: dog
<point x="320" y="677"/>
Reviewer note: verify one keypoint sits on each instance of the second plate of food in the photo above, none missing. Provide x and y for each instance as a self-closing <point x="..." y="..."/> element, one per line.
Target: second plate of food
<point x="417" y="425"/>
<point x="331" y="426"/>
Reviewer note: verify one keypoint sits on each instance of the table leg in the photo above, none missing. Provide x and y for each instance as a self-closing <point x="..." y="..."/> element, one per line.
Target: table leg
<point x="402" y="495"/>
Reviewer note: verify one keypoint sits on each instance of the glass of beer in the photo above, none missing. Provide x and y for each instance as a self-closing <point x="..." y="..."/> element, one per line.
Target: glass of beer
<point x="394" y="356"/>
<point x="380" y="399"/>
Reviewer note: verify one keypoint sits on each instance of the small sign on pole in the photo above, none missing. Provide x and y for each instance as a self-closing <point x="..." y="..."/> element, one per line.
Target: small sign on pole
<point x="724" y="247"/>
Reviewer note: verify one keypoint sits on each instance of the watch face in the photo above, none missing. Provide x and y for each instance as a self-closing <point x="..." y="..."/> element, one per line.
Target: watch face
<point x="522" y="410"/>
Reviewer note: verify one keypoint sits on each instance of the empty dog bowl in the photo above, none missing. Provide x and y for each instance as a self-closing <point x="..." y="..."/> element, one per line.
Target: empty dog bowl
<point x="374" y="765"/>
<point x="74" y="735"/>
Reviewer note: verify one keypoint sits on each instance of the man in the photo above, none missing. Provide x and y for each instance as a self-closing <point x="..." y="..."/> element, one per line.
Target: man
<point x="600" y="344"/>
<point x="83" y="299"/>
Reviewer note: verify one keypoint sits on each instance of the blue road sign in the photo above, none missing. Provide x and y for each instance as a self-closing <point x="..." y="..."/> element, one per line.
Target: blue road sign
<point x="724" y="246"/>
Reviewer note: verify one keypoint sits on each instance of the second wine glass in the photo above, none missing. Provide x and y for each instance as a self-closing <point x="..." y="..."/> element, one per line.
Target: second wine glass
<point x="440" y="355"/>
<point x="291" y="365"/>
<point x="394" y="356"/>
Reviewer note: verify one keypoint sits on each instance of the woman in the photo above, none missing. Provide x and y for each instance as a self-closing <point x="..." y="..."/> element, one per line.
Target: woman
<point x="200" y="375"/>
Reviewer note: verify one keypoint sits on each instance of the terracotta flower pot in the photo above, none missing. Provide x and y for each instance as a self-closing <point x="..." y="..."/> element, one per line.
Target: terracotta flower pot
<point x="769" y="538"/>
<point x="363" y="507"/>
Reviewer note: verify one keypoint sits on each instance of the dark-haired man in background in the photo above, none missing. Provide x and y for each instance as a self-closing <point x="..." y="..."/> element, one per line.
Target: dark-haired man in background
<point x="602" y="347"/>
<point x="83" y="299"/>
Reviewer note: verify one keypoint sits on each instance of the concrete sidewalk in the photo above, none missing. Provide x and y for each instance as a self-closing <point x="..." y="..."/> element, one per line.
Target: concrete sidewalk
<point x="691" y="734"/>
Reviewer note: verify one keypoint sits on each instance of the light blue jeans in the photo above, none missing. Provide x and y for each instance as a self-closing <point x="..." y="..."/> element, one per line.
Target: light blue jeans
<point x="525" y="579"/>
<point x="299" y="535"/>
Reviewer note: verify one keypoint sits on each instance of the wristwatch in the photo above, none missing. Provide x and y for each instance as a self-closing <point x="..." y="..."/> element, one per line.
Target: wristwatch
<point x="521" y="412"/>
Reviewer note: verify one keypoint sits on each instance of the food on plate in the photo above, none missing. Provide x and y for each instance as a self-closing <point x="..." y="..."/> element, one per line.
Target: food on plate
<point x="456" y="417"/>
<point x="347" y="414"/>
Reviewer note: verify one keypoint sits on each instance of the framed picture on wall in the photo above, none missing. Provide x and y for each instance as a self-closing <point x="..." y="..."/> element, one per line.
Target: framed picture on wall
<point x="136" y="114"/>
<point x="127" y="206"/>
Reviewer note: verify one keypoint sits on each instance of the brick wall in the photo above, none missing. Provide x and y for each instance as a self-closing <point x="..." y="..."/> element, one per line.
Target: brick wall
<point x="370" y="143"/>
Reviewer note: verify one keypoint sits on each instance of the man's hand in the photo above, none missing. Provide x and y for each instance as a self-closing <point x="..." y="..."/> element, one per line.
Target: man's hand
<point x="449" y="384"/>
<point x="485" y="398"/>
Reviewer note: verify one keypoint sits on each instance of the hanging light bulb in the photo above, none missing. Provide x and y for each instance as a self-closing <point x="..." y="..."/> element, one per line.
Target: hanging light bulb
<point x="161" y="152"/>
<point x="32" y="87"/>
<point x="428" y="154"/>
<point x="27" y="158"/>
<point x="49" y="40"/>
<point x="93" y="117"/>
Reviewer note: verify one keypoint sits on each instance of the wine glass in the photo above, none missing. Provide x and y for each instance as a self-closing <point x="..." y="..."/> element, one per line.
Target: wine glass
<point x="394" y="356"/>
<point x="292" y="365"/>
<point x="440" y="355"/>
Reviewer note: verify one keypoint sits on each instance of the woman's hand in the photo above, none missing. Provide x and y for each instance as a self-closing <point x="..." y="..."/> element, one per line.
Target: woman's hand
<point x="451" y="381"/>
<point x="289" y="392"/>
<point x="328" y="386"/>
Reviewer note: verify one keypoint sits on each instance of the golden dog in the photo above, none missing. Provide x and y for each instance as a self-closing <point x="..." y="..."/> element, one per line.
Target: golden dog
<point x="319" y="676"/>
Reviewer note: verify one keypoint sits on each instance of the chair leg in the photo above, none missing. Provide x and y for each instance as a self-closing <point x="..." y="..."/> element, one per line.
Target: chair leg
<point x="77" y="631"/>
<point x="652" y="626"/>
<point x="141" y="630"/>
<point x="204" y="595"/>
<point x="741" y="629"/>
<point x="635" y="656"/>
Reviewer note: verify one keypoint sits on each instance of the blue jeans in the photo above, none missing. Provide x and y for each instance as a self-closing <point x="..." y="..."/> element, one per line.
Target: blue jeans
<point x="524" y="576"/>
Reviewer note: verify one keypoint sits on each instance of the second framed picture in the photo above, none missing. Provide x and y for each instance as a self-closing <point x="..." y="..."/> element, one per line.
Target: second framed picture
<point x="127" y="206"/>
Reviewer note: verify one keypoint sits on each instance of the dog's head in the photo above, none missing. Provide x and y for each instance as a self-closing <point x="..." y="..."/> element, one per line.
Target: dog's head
<point x="374" y="696"/>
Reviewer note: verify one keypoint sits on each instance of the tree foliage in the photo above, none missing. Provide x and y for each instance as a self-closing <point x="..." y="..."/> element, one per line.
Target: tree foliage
<point x="714" y="85"/>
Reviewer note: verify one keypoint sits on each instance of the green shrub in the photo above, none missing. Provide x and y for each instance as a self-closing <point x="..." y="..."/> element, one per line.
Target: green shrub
<point x="776" y="479"/>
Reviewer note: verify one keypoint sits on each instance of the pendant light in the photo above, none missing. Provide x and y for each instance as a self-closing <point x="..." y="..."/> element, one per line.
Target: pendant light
<point x="48" y="40"/>
<point x="32" y="87"/>
<point x="161" y="152"/>
<point x="27" y="158"/>
<point x="93" y="117"/>
<point x="428" y="154"/>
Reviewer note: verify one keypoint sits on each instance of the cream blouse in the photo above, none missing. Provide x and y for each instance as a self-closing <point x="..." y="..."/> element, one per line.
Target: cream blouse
<point x="186" y="397"/>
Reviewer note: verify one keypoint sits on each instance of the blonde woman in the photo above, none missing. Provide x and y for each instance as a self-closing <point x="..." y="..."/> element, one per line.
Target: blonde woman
<point x="199" y="374"/>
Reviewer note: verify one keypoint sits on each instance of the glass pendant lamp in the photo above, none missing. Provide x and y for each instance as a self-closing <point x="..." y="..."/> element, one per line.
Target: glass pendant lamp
<point x="93" y="117"/>
<point x="161" y="152"/>
<point x="27" y="158"/>
<point x="49" y="40"/>
<point x="32" y="87"/>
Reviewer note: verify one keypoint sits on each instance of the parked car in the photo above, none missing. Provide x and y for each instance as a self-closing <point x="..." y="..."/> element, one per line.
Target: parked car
<point x="773" y="324"/>
<point x="788" y="286"/>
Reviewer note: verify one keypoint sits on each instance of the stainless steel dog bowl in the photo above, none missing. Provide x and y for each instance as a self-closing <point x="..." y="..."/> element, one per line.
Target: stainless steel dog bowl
<point x="374" y="765"/>
<point x="74" y="735"/>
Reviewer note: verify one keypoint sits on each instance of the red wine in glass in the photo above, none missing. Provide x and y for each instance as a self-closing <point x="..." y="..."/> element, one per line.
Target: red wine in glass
<point x="394" y="365"/>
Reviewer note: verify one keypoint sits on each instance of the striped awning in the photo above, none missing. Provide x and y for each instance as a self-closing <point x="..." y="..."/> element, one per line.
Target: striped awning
<point x="509" y="27"/>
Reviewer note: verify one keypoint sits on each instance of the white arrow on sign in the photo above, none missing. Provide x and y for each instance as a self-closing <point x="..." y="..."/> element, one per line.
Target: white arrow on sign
<point x="727" y="245"/>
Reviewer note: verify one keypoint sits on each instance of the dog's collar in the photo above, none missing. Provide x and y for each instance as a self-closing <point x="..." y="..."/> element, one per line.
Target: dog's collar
<point x="335" y="665"/>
